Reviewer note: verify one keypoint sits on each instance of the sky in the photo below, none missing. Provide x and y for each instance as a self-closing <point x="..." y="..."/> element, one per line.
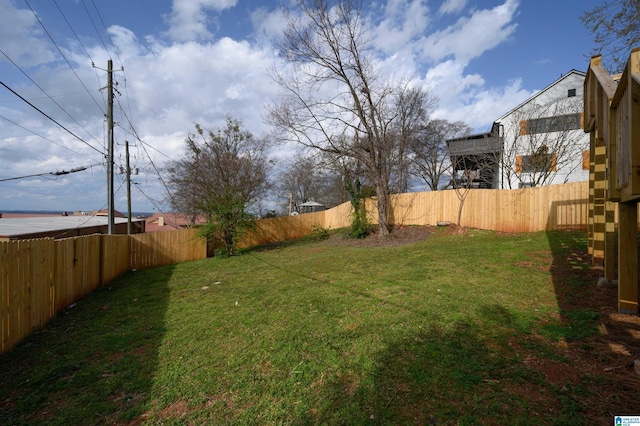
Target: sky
<point x="180" y="62"/>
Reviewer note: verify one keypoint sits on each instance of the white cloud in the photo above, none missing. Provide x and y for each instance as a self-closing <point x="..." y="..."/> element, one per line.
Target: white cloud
<point x="542" y="61"/>
<point x="466" y="97"/>
<point x="471" y="36"/>
<point x="403" y="20"/>
<point x="20" y="36"/>
<point x="268" y="24"/>
<point x="189" y="19"/>
<point x="462" y="95"/>
<point x="125" y="41"/>
<point x="452" y="6"/>
<point x="190" y="82"/>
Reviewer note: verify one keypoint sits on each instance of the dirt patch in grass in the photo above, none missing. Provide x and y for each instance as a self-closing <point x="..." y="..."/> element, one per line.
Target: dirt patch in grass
<point x="554" y="372"/>
<point x="174" y="411"/>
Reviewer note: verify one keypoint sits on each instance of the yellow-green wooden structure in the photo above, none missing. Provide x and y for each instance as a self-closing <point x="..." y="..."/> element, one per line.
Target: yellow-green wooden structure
<point x="612" y="117"/>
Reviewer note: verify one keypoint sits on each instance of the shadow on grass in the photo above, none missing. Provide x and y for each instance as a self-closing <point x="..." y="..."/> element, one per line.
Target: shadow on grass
<point x="601" y="341"/>
<point x="457" y="375"/>
<point x="95" y="362"/>
<point x="575" y="284"/>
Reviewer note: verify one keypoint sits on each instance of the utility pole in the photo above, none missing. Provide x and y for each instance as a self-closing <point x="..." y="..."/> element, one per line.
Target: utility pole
<point x="126" y="145"/>
<point x="110" y="202"/>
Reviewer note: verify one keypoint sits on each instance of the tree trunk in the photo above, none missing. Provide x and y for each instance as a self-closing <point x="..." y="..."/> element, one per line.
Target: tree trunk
<point x="462" y="196"/>
<point x="229" y="244"/>
<point x="383" y="210"/>
<point x="460" y="207"/>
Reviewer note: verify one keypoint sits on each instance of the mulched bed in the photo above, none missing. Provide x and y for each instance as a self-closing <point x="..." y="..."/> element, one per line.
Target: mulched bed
<point x="401" y="235"/>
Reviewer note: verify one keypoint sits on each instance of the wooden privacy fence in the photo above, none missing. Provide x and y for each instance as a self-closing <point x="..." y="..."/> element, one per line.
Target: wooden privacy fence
<point x="545" y="208"/>
<point x="40" y="278"/>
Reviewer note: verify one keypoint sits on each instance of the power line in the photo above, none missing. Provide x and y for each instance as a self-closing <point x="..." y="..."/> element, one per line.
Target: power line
<point x="64" y="57"/>
<point x="60" y="173"/>
<point x="45" y="114"/>
<point x="79" y="41"/>
<point x="73" y="31"/>
<point x="126" y="90"/>
<point x="134" y="133"/>
<point x="143" y="144"/>
<point x="155" y="204"/>
<point x="43" y="137"/>
<point x="46" y="94"/>
<point x="95" y="28"/>
<point x="183" y="125"/>
<point x="107" y="32"/>
<point x="115" y="49"/>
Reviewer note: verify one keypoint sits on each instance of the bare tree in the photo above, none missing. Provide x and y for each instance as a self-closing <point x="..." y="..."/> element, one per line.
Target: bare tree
<point x="308" y="178"/>
<point x="543" y="143"/>
<point x="332" y="98"/>
<point x="476" y="168"/>
<point x="410" y="127"/>
<point x="474" y="162"/>
<point x="222" y="174"/>
<point x="431" y="161"/>
<point x="615" y="25"/>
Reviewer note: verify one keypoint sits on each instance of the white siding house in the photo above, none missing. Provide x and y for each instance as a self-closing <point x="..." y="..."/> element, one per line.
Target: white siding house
<point x="539" y="142"/>
<point x="543" y="138"/>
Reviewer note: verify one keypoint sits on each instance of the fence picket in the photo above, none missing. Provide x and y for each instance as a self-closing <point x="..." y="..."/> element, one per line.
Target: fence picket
<point x="4" y="296"/>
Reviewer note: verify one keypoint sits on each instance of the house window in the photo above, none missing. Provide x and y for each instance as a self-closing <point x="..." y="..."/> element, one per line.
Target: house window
<point x="540" y="161"/>
<point x="571" y="93"/>
<point x="558" y="123"/>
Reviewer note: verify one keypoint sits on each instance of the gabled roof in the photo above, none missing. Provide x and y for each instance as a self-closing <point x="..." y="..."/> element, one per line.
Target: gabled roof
<point x="546" y="89"/>
<point x="171" y="221"/>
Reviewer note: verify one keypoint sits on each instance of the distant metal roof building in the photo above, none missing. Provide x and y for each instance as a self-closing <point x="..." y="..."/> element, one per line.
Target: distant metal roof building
<point x="311" y="206"/>
<point x="62" y="227"/>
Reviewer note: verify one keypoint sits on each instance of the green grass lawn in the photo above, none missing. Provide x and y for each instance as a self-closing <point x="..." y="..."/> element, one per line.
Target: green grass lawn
<point x="472" y="328"/>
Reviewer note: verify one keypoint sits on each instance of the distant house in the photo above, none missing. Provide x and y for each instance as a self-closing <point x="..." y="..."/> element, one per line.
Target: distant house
<point x="475" y="159"/>
<point x="539" y="142"/>
<point x="311" y="207"/>
<point x="105" y="212"/>
<point x="172" y="221"/>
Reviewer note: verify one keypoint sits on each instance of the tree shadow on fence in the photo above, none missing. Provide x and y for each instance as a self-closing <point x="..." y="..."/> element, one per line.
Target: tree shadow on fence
<point x="95" y="362"/>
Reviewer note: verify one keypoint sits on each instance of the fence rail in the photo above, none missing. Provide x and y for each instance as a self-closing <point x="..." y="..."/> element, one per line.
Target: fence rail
<point x="39" y="278"/>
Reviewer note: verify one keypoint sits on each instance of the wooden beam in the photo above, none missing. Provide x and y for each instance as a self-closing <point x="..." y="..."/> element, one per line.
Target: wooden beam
<point x="628" y="258"/>
<point x="610" y="242"/>
<point x="634" y="121"/>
